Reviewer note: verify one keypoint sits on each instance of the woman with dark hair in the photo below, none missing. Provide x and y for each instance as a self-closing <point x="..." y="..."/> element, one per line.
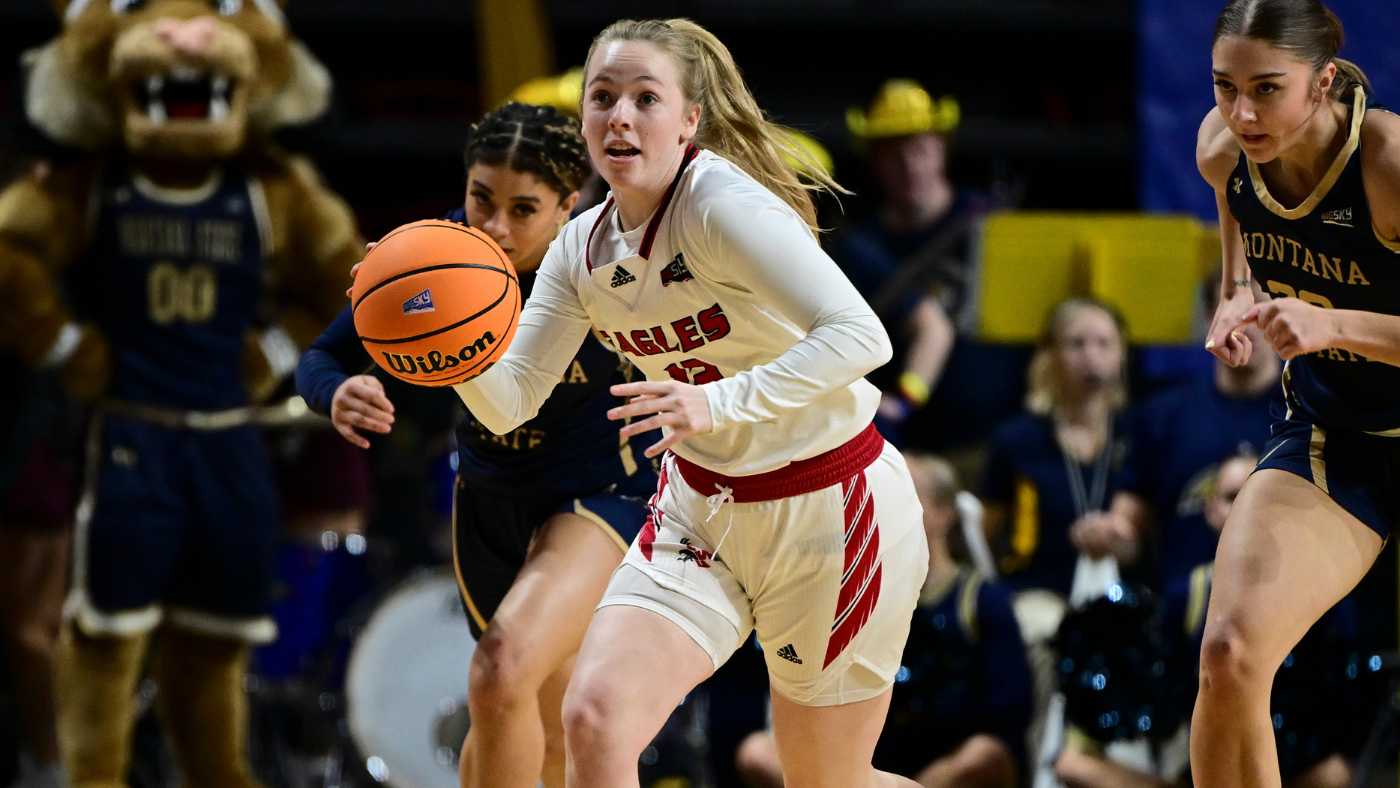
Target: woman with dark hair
<point x="1306" y="171"/>
<point x="544" y="513"/>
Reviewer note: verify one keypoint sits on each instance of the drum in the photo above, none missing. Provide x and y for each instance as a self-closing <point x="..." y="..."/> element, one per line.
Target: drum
<point x="406" y="684"/>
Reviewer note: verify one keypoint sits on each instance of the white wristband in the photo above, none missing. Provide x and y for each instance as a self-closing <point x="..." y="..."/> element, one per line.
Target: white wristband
<point x="64" y="346"/>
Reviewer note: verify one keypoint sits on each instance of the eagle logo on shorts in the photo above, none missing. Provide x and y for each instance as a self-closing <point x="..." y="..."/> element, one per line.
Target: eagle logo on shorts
<point x="675" y="271"/>
<point x="690" y="552"/>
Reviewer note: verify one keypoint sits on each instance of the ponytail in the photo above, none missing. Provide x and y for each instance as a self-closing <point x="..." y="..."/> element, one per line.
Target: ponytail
<point x="1349" y="76"/>
<point x="731" y="122"/>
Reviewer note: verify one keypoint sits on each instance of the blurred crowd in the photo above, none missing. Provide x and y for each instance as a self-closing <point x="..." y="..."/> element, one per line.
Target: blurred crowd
<point x="1071" y="513"/>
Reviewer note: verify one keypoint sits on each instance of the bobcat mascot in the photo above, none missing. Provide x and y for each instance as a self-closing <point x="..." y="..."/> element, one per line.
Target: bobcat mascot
<point x="169" y="266"/>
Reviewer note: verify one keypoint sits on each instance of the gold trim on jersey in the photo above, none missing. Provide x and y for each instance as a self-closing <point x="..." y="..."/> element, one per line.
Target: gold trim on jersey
<point x="1025" y="531"/>
<point x="457" y="565"/>
<point x="1393" y="246"/>
<point x="597" y="519"/>
<point x="1319" y="465"/>
<point x="1198" y="598"/>
<point x="1358" y="113"/>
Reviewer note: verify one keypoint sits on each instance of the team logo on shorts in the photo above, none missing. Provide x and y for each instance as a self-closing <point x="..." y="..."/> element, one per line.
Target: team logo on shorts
<point x="675" y="271"/>
<point x="690" y="552"/>
<point x="417" y="305"/>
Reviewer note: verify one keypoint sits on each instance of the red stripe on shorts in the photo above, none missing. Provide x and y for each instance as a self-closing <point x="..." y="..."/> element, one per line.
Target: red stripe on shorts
<point x="647" y="537"/>
<point x="861" y="572"/>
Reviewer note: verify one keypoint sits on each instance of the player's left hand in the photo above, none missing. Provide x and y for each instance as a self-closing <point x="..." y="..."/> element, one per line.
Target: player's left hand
<point x="1293" y="327"/>
<point x="682" y="407"/>
<point x="355" y="269"/>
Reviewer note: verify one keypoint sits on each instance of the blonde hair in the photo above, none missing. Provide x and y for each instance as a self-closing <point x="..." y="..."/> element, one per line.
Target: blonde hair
<point x="731" y="122"/>
<point x="936" y="475"/>
<point x="1047" y="389"/>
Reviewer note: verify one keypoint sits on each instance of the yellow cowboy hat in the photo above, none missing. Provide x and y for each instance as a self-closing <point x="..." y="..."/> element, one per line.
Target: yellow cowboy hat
<point x="562" y="91"/>
<point x="903" y="107"/>
<point x="811" y="147"/>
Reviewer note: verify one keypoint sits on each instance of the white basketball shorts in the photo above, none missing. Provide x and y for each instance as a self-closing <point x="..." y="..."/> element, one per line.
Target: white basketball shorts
<point x="824" y="558"/>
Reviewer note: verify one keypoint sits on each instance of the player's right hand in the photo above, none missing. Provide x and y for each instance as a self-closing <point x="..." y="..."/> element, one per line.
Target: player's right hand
<point x="360" y="402"/>
<point x="88" y="371"/>
<point x="1226" y="339"/>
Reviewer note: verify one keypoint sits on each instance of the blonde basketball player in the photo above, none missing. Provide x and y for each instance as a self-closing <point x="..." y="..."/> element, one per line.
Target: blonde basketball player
<point x="779" y="508"/>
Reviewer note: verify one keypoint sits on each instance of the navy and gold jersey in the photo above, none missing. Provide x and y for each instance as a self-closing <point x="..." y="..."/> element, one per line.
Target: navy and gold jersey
<point x="1326" y="252"/>
<point x="1026" y="473"/>
<point x="571" y="441"/>
<point x="963" y="672"/>
<point x="174" y="280"/>
<point x="571" y="445"/>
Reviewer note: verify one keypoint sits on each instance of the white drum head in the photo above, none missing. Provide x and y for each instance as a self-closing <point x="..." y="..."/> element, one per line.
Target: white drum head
<point x="406" y="684"/>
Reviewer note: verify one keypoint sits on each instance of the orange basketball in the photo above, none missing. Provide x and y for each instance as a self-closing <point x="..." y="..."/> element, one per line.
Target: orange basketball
<point x="436" y="303"/>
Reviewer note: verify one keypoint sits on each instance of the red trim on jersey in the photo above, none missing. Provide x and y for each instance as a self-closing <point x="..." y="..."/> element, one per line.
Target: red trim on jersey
<point x="655" y="224"/>
<point x="862" y="570"/>
<point x="798" y="478"/>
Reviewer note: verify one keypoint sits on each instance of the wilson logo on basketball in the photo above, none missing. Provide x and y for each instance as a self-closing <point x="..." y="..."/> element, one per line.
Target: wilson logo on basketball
<point x="435" y="361"/>
<point x="417" y="305"/>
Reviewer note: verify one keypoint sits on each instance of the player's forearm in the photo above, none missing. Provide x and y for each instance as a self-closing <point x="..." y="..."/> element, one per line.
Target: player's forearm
<point x="1235" y="274"/>
<point x="830" y="357"/>
<point x="511" y="392"/>
<point x="1369" y="334"/>
<point x="928" y="353"/>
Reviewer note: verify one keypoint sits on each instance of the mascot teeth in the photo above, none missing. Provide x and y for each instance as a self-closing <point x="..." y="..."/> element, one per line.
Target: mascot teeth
<point x="185" y="93"/>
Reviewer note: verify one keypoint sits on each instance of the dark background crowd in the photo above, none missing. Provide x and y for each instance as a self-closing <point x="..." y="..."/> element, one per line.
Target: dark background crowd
<point x="1086" y="461"/>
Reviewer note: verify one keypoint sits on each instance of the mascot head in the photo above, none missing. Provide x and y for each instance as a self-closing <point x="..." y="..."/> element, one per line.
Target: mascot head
<point x="172" y="79"/>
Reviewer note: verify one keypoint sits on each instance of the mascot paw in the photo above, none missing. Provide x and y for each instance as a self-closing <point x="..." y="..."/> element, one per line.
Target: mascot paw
<point x="88" y="372"/>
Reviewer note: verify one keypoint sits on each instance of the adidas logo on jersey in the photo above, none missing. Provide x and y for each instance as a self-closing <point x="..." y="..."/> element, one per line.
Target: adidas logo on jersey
<point x="621" y="276"/>
<point x="417" y="305"/>
<point x="675" y="271"/>
<point x="1340" y="217"/>
<point x="790" y="654"/>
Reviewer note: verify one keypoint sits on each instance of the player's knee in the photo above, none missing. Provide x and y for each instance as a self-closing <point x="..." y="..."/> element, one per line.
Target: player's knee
<point x="984" y="762"/>
<point x="756" y="760"/>
<point x="500" y="675"/>
<point x="1229" y="661"/>
<point x="586" y="715"/>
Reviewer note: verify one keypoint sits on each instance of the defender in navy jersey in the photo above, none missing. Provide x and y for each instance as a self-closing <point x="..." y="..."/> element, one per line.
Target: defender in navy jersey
<point x="543" y="513"/>
<point x="1307" y="177"/>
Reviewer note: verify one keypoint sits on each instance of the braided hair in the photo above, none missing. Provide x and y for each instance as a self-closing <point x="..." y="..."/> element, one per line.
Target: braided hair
<point x="534" y="139"/>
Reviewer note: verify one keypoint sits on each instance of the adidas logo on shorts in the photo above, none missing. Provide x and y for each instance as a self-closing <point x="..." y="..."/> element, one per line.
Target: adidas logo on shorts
<point x="621" y="276"/>
<point x="789" y="653"/>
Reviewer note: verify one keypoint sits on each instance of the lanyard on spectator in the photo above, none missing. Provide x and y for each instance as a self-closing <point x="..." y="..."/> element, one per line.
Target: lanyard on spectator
<point x="1090" y="500"/>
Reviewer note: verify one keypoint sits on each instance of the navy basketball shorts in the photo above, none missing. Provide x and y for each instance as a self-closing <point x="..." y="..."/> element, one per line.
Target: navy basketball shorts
<point x="492" y="532"/>
<point x="181" y="527"/>
<point x="1358" y="470"/>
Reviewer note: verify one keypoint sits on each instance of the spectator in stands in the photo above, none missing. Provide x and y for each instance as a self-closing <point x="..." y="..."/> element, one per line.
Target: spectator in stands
<point x="36" y="506"/>
<point x="1307" y="721"/>
<point x="1053" y="469"/>
<point x="1180" y="437"/>
<point x="910" y="257"/>
<point x="962" y="698"/>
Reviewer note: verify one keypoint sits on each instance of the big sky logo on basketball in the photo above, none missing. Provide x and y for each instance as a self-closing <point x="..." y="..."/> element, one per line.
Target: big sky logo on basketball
<point x="417" y="305"/>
